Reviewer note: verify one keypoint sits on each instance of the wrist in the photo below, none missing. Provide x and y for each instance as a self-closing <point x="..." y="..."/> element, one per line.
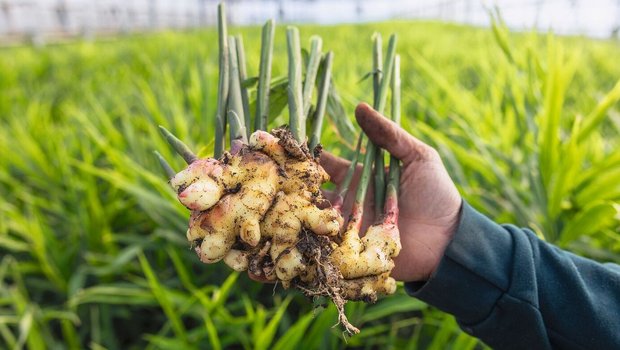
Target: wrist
<point x="445" y="235"/>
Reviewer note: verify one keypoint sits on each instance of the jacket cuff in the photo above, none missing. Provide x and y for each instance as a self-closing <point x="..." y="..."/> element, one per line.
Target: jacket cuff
<point x="474" y="271"/>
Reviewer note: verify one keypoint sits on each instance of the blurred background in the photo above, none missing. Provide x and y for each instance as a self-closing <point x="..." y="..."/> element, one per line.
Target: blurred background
<point x="42" y="20"/>
<point x="519" y="97"/>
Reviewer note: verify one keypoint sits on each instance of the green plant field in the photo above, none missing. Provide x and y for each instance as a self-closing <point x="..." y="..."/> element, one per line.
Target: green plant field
<point x="92" y="241"/>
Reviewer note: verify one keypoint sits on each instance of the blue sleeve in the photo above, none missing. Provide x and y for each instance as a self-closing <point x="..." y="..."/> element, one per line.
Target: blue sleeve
<point x="514" y="291"/>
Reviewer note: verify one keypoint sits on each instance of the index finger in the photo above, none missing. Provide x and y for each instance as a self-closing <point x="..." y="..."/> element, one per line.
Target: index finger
<point x="388" y="135"/>
<point x="335" y="166"/>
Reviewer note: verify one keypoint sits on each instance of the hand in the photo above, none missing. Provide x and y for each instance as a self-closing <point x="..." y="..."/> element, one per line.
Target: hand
<point x="429" y="202"/>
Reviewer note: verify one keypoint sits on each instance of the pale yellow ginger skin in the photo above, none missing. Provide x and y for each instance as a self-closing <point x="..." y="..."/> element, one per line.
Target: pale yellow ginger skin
<point x="284" y="222"/>
<point x="367" y="288"/>
<point x="371" y="255"/>
<point x="365" y="263"/>
<point x="261" y="200"/>
<point x="237" y="260"/>
<point x="236" y="214"/>
<point x="201" y="183"/>
<point x="294" y="207"/>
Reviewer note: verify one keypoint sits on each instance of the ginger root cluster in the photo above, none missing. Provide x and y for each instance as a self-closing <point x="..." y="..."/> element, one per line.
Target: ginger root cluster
<point x="260" y="208"/>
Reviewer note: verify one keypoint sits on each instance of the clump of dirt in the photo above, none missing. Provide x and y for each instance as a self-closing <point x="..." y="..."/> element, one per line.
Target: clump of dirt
<point x="290" y="145"/>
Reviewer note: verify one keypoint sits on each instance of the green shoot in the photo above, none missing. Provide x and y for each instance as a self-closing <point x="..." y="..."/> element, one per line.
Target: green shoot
<point x="222" y="91"/>
<point x="377" y="62"/>
<point x="295" y="102"/>
<point x="388" y="66"/>
<point x="317" y="126"/>
<point x="243" y="75"/>
<point x="391" y="198"/>
<point x="343" y="189"/>
<point x="264" y="76"/>
<point x="357" y="211"/>
<point x="165" y="165"/>
<point x="311" y="72"/>
<point x="234" y="111"/>
<point x="178" y="146"/>
<point x="370" y="147"/>
<point x="379" y="180"/>
<point x="379" y="157"/>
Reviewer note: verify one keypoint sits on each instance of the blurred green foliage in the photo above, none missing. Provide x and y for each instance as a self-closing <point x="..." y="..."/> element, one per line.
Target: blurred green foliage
<point x="92" y="241"/>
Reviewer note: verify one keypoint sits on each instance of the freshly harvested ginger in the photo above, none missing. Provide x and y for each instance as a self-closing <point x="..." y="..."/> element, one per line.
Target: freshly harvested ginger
<point x="260" y="208"/>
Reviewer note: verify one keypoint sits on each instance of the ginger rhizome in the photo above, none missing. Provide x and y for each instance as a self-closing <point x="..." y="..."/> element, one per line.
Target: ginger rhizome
<point x="268" y="194"/>
<point x="259" y="207"/>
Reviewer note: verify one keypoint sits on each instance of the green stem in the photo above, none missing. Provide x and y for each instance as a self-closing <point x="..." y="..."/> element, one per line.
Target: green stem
<point x="379" y="180"/>
<point x="321" y="105"/>
<point x="357" y="210"/>
<point x="234" y="111"/>
<point x="222" y="92"/>
<point x="311" y="72"/>
<point x="264" y="77"/>
<point x="369" y="158"/>
<point x="394" y="177"/>
<point x="379" y="157"/>
<point x="388" y="66"/>
<point x="243" y="75"/>
<point x="344" y="185"/>
<point x="391" y="199"/>
<point x="295" y="102"/>
<point x="165" y="165"/>
<point x="379" y="107"/>
<point x="377" y="57"/>
<point x="395" y="85"/>
<point x="178" y="146"/>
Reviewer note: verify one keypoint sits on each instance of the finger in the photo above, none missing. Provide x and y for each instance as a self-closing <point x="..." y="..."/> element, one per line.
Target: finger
<point x="261" y="278"/>
<point x="329" y="195"/>
<point x="335" y="166"/>
<point x="388" y="135"/>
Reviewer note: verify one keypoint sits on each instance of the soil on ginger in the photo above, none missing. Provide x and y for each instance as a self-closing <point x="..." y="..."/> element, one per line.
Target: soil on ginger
<point x="316" y="250"/>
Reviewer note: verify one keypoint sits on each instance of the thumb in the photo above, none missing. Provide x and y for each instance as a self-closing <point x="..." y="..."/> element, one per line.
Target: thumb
<point x="391" y="137"/>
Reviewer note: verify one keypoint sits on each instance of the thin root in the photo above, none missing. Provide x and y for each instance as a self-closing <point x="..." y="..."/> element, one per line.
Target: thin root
<point x="326" y="283"/>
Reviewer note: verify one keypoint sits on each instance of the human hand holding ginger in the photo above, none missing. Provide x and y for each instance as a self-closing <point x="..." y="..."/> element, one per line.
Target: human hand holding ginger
<point x="429" y="202"/>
